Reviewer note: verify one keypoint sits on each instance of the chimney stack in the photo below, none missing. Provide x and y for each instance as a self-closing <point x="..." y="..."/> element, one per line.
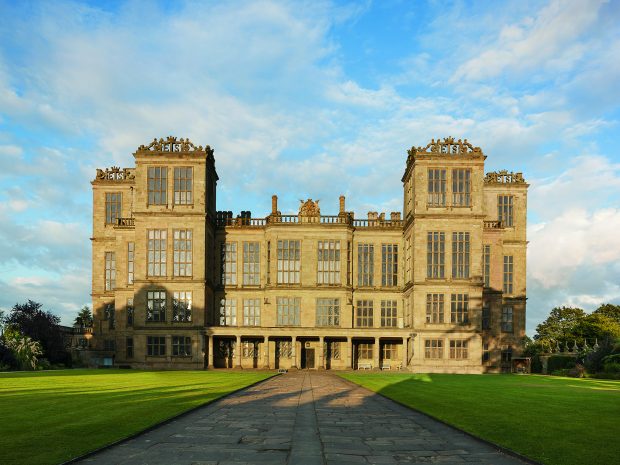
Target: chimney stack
<point x="342" y="204"/>
<point x="274" y="204"/>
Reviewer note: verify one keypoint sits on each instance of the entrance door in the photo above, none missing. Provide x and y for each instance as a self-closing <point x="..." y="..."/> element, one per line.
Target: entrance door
<point x="309" y="358"/>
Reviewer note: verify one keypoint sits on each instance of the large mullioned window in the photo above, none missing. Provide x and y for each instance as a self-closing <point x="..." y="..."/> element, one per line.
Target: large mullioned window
<point x="461" y="187"/>
<point x="131" y="251"/>
<point x="459" y="308"/>
<point x="505" y="210"/>
<point x="182" y="262"/>
<point x="365" y="264"/>
<point x="328" y="262"/>
<point x="155" y="346"/>
<point x="157" y="187"/>
<point x="436" y="255"/>
<point x="156" y="306"/>
<point x="434" y="308"/>
<point x="228" y="254"/>
<point x="156" y="259"/>
<point x="364" y="314"/>
<point x="433" y="348"/>
<point x="389" y="265"/>
<point x="288" y="309"/>
<point x="228" y="312"/>
<point x="460" y="255"/>
<point x="328" y="312"/>
<point x="507" y="320"/>
<point x="436" y="188"/>
<point x="110" y="271"/>
<point x="508" y="274"/>
<point x="183" y="185"/>
<point x="389" y="314"/>
<point x="113" y="202"/>
<point x="251" y="263"/>
<point x="458" y="349"/>
<point x="182" y="306"/>
<point x="289" y="261"/>
<point x="251" y="312"/>
<point x="486" y="265"/>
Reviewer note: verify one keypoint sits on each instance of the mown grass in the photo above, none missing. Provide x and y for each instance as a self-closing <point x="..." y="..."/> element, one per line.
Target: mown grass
<point x="556" y="421"/>
<point x="50" y="417"/>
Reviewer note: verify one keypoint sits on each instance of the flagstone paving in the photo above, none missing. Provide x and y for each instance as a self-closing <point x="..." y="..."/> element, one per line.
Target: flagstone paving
<point x="302" y="418"/>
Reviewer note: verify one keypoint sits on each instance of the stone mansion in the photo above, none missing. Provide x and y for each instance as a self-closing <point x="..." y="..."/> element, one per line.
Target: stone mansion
<point x="177" y="284"/>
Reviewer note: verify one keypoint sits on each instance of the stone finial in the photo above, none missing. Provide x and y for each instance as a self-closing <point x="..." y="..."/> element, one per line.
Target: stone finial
<point x="342" y="204"/>
<point x="274" y="204"/>
<point x="373" y="216"/>
<point x="395" y="216"/>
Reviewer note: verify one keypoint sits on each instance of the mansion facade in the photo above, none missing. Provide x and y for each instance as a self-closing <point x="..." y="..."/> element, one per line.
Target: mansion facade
<point x="179" y="285"/>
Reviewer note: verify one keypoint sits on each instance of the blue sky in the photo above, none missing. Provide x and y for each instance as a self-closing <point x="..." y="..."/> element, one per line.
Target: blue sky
<point x="310" y="99"/>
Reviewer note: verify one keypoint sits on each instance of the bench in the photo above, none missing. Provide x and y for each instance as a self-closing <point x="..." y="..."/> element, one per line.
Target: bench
<point x="364" y="366"/>
<point x="386" y="366"/>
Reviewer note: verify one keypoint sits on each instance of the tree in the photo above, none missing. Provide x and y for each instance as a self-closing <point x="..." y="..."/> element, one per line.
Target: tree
<point x="42" y="326"/>
<point x="84" y="318"/>
<point x="25" y="349"/>
<point x="560" y="325"/>
<point x="609" y="310"/>
<point x="2" y="320"/>
<point x="597" y="326"/>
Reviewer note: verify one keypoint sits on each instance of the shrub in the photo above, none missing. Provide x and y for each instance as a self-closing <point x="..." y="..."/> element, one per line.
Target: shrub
<point x="560" y="362"/>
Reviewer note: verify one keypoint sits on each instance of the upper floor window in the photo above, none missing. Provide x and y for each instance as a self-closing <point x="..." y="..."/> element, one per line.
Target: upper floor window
<point x="229" y="262"/>
<point x="364" y="314"/>
<point x="389" y="265"/>
<point x="110" y="271"/>
<point x="436" y="188"/>
<point x="435" y="255"/>
<point x="251" y="312"/>
<point x="328" y="262"/>
<point x="365" y="264"/>
<point x="459" y="308"/>
<point x="388" y="351"/>
<point x="461" y="187"/>
<point x="130" y="311"/>
<point x="182" y="260"/>
<point x="156" y="306"/>
<point x="110" y="315"/>
<point x="183" y="185"/>
<point x="156" y="260"/>
<point x="506" y="354"/>
<point x="433" y="348"/>
<point x="157" y="185"/>
<point x="505" y="210"/>
<point x="182" y="307"/>
<point x="327" y="312"/>
<point x="113" y="202"/>
<point x="486" y="352"/>
<point x="458" y="348"/>
<point x="434" y="308"/>
<point x="131" y="250"/>
<point x="129" y="347"/>
<point x="508" y="273"/>
<point x="389" y="314"/>
<point x="289" y="261"/>
<point x="486" y="265"/>
<point x="486" y="317"/>
<point x="228" y="312"/>
<point x="460" y="255"/>
<point x="507" y="320"/>
<point x="251" y="263"/>
<point x="288" y="311"/>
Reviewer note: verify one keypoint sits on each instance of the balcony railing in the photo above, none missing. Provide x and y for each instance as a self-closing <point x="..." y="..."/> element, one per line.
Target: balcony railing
<point x="246" y="222"/>
<point x="493" y="225"/>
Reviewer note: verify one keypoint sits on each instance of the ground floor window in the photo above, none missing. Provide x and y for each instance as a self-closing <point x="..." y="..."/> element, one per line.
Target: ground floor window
<point x="364" y="350"/>
<point x="458" y="349"/>
<point x="155" y="346"/>
<point x="331" y="350"/>
<point x="108" y="344"/>
<point x="507" y="354"/>
<point x="129" y="347"/>
<point x="283" y="349"/>
<point x="225" y="348"/>
<point x="181" y="346"/>
<point x="388" y="351"/>
<point x="250" y="349"/>
<point x="433" y="348"/>
<point x="486" y="353"/>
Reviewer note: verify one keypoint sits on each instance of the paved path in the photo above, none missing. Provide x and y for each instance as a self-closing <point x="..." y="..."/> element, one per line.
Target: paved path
<point x="302" y="418"/>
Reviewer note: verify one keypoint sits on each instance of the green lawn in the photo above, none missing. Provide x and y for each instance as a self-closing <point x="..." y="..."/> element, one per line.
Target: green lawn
<point x="50" y="417"/>
<point x="559" y="421"/>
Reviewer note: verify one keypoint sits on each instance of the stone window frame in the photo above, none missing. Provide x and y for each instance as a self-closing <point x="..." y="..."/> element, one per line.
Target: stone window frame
<point x="129" y="347"/>
<point x="436" y="255"/>
<point x="183" y="185"/>
<point x="110" y="271"/>
<point x="228" y="312"/>
<point x="364" y="313"/>
<point x="486" y="316"/>
<point x="157" y="185"/>
<point x="433" y="349"/>
<point x="459" y="308"/>
<point x="327" y="312"/>
<point x="507" y="321"/>
<point x="508" y="281"/>
<point x="113" y="207"/>
<point x="228" y="263"/>
<point x="461" y="187"/>
<point x="250" y="349"/>
<point x="389" y="265"/>
<point x="328" y="262"/>
<point x="284" y="349"/>
<point x="458" y="349"/>
<point x="156" y="301"/>
<point x="435" y="308"/>
<point x="251" y="263"/>
<point x="130" y="312"/>
<point x="251" y="312"/>
<point x="156" y="346"/>
<point x="505" y="210"/>
<point x="182" y="252"/>
<point x="365" y="264"/>
<point x="157" y="252"/>
<point x="461" y="248"/>
<point x="437" y="187"/>
<point x="389" y="351"/>
<point x="288" y="268"/>
<point x="365" y="351"/>
<point x="389" y="313"/>
<point x="486" y="264"/>
<point x="331" y="349"/>
<point x="181" y="346"/>
<point x="288" y="311"/>
<point x="131" y="257"/>
<point x="182" y="306"/>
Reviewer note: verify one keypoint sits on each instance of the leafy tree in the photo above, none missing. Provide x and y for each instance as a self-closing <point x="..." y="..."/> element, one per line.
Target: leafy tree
<point x="40" y="325"/>
<point x="560" y="325"/>
<point x="2" y="320"/>
<point x="609" y="310"/>
<point x="84" y="318"/>
<point x="25" y="349"/>
<point x="597" y="326"/>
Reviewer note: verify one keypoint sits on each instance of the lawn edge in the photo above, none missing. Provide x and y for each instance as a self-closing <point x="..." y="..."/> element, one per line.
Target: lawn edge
<point x="499" y="447"/>
<point x="161" y="423"/>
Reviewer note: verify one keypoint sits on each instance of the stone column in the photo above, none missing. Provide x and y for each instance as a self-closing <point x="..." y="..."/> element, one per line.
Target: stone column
<point x="321" y="353"/>
<point x="266" y="346"/>
<point x="405" y="354"/>
<point x="239" y="351"/>
<point x="294" y="352"/>
<point x="349" y="352"/>
<point x="210" y="354"/>
<point x="375" y="353"/>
